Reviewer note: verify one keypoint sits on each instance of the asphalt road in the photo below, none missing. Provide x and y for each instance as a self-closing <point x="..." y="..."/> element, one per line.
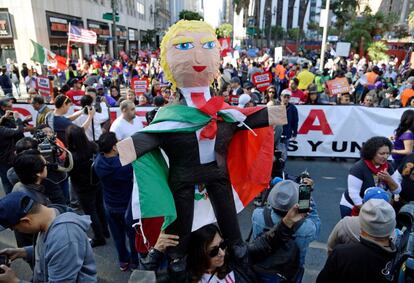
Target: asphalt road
<point x="330" y="182"/>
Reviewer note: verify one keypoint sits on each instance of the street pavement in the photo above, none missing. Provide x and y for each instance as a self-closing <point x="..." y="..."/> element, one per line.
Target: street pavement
<point x="330" y="182"/>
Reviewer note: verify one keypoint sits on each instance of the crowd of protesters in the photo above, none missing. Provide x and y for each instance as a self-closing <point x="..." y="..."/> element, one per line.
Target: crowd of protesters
<point x="45" y="200"/>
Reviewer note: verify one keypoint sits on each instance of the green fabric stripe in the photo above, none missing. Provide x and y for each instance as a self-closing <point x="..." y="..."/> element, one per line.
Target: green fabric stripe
<point x="176" y="130"/>
<point x="227" y="117"/>
<point x="39" y="53"/>
<point x="181" y="113"/>
<point x="156" y="199"/>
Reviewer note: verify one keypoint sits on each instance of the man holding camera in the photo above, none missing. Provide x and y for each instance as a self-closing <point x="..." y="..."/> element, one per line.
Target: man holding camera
<point x="11" y="130"/>
<point x="62" y="252"/>
<point x="94" y="131"/>
<point x="282" y="197"/>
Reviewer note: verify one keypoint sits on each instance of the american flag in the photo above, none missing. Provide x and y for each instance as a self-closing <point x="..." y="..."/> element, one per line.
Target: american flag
<point x="77" y="34"/>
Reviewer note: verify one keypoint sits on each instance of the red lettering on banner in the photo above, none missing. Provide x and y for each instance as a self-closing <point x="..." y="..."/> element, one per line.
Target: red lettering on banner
<point x="308" y="124"/>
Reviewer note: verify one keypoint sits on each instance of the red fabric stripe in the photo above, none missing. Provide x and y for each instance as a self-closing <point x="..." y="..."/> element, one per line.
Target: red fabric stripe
<point x="250" y="172"/>
<point x="198" y="99"/>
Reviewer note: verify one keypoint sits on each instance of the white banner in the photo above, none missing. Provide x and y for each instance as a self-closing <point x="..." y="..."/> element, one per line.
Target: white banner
<point x="340" y="131"/>
<point x="27" y="109"/>
<point x="323" y="131"/>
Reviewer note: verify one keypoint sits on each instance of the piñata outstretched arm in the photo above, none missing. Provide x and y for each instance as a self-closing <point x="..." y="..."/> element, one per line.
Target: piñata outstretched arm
<point x="137" y="145"/>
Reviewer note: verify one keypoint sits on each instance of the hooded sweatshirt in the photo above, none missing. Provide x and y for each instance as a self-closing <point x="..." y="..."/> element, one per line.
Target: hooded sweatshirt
<point x="346" y="231"/>
<point x="63" y="252"/>
<point x="116" y="180"/>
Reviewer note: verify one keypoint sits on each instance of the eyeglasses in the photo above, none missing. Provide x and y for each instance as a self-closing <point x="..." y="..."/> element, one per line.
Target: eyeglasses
<point x="215" y="251"/>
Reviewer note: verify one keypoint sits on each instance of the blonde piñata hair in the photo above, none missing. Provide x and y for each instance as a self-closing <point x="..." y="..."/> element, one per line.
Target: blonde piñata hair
<point x="182" y="25"/>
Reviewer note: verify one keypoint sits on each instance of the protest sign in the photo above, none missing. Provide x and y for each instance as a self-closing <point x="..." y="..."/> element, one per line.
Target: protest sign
<point x="262" y="80"/>
<point x="337" y="86"/>
<point x="140" y="86"/>
<point x="44" y="86"/>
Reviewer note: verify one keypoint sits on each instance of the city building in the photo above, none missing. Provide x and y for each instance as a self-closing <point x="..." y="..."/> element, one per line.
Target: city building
<point x="162" y="19"/>
<point x="284" y="13"/>
<point x="176" y="6"/>
<point x="47" y="21"/>
<point x="401" y="8"/>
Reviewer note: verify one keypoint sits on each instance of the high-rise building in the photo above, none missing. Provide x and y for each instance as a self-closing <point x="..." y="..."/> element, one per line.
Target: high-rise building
<point x="401" y="8"/>
<point x="176" y="6"/>
<point x="47" y="21"/>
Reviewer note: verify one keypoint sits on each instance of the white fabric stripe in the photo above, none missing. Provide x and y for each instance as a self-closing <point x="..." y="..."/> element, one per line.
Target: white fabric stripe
<point x="186" y="92"/>
<point x="236" y="114"/>
<point x="170" y="125"/>
<point x="204" y="213"/>
<point x="205" y="148"/>
<point x="135" y="202"/>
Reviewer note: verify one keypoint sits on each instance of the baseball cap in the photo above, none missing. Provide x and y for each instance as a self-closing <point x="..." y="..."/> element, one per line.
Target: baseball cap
<point x="235" y="80"/>
<point x="13" y="207"/>
<point x="286" y="92"/>
<point x="377" y="218"/>
<point x="284" y="195"/>
<point x="375" y="193"/>
<point x="247" y="85"/>
<point x="4" y="101"/>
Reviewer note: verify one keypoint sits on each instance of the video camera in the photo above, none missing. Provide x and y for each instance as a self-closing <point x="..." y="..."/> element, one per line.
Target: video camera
<point x="51" y="151"/>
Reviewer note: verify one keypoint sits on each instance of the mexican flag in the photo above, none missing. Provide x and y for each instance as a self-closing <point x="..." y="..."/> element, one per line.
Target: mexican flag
<point x="249" y="163"/>
<point x="46" y="57"/>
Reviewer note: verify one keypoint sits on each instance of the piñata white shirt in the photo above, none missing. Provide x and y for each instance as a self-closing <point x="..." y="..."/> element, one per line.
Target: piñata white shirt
<point x="208" y="279"/>
<point x="124" y="129"/>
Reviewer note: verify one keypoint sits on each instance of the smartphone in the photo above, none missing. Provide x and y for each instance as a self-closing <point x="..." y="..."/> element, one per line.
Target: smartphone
<point x="86" y="110"/>
<point x="304" y="198"/>
<point x="4" y="260"/>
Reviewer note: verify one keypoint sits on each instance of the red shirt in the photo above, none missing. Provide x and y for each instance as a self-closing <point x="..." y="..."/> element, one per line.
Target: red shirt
<point x="75" y="96"/>
<point x="298" y="97"/>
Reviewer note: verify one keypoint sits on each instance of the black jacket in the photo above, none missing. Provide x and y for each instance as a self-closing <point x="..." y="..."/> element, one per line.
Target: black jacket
<point x="8" y="138"/>
<point x="242" y="256"/>
<point x="354" y="263"/>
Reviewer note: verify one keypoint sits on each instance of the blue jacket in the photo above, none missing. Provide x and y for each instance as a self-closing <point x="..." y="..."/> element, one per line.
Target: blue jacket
<point x="307" y="232"/>
<point x="116" y="181"/>
<point x="64" y="252"/>
<point x="291" y="128"/>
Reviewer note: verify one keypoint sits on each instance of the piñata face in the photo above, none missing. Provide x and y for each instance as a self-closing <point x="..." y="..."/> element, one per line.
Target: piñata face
<point x="193" y="58"/>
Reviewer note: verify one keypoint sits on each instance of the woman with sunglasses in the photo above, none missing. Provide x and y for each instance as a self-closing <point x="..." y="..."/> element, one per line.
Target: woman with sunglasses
<point x="270" y="96"/>
<point x="213" y="259"/>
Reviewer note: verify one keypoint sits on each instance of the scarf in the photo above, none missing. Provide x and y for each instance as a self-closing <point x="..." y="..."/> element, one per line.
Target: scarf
<point x="374" y="169"/>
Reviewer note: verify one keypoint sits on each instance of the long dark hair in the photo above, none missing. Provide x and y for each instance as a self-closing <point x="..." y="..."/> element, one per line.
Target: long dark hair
<point x="198" y="260"/>
<point x="78" y="142"/>
<point x="406" y="123"/>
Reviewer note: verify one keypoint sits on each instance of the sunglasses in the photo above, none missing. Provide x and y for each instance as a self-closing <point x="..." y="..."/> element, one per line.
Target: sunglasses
<point x="67" y="100"/>
<point x="271" y="92"/>
<point x="215" y="251"/>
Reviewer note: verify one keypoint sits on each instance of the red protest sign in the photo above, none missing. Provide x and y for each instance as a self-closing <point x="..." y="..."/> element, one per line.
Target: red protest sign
<point x="262" y="80"/>
<point x="337" y="86"/>
<point x="43" y="85"/>
<point x="140" y="86"/>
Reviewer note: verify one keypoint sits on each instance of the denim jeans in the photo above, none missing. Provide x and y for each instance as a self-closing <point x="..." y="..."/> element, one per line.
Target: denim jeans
<point x="345" y="211"/>
<point x="120" y="231"/>
<point x="91" y="201"/>
<point x="7" y="186"/>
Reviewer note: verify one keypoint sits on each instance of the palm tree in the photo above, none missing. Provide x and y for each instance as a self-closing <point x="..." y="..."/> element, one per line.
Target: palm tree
<point x="240" y="4"/>
<point x="411" y="19"/>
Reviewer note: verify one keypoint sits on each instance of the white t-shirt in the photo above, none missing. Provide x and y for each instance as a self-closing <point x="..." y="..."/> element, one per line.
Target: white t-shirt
<point x="123" y="129"/>
<point x="228" y="279"/>
<point x="98" y="119"/>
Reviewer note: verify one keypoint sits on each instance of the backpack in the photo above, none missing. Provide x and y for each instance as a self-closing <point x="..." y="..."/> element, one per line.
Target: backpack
<point x="401" y="268"/>
<point x="283" y="264"/>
